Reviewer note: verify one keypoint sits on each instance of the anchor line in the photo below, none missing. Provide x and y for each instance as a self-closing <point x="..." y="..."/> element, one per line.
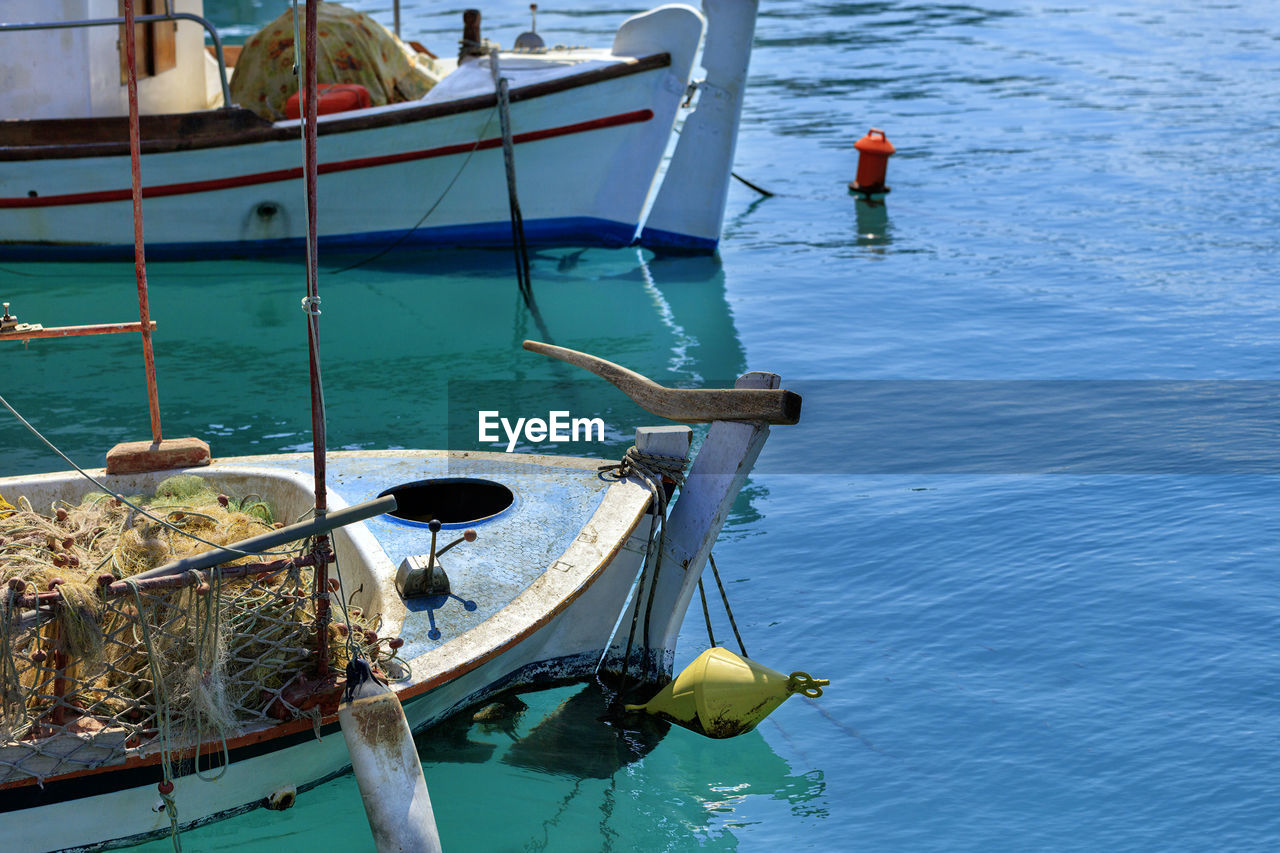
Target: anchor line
<point x="519" y="244"/>
<point x="706" y="614"/>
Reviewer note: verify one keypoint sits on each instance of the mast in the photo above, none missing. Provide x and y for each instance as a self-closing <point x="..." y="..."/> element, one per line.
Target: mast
<point x="311" y="305"/>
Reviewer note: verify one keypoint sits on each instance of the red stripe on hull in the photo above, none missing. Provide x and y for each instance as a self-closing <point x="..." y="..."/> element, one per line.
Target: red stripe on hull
<point x="325" y="168"/>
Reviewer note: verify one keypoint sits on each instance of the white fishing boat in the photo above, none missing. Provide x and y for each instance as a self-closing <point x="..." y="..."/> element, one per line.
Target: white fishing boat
<point x="160" y="668"/>
<point x="546" y="592"/>
<point x="586" y="131"/>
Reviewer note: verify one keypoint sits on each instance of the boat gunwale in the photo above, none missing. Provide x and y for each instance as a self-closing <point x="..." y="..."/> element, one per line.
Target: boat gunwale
<point x="191" y="131"/>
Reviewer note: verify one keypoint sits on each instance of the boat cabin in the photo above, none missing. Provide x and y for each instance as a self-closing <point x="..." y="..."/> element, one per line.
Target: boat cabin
<point x="79" y="71"/>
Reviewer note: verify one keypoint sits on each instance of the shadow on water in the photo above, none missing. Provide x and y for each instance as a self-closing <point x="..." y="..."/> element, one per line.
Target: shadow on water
<point x="574" y="740"/>
<point x="609" y="777"/>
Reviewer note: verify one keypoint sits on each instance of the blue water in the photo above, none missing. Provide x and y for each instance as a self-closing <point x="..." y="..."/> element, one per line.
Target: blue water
<point x="1032" y="654"/>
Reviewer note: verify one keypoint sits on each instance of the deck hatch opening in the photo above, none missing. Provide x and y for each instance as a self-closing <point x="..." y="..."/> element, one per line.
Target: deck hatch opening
<point x="450" y="500"/>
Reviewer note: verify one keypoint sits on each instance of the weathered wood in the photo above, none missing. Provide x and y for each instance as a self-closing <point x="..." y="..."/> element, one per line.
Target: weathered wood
<point x="690" y="405"/>
<point x="696" y="518"/>
<point x="230" y="53"/>
<point x="134" y="457"/>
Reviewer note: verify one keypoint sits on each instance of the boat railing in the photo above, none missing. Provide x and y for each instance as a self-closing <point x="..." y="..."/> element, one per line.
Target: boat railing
<point x="167" y="15"/>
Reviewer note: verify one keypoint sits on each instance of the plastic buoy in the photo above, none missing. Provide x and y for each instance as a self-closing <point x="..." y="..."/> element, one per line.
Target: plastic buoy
<point x="874" y="151"/>
<point x="387" y="769"/>
<point x="723" y="695"/>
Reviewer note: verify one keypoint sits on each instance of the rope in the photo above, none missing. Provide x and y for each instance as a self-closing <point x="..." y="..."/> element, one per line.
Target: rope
<point x="12" y="694"/>
<point x="430" y="210"/>
<point x="725" y="598"/>
<point x="519" y="244"/>
<point x="706" y="614"/>
<point x="207" y="636"/>
<point x="650" y="469"/>
<point x="161" y="698"/>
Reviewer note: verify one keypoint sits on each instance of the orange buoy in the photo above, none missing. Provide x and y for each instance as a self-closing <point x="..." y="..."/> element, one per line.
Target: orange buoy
<point x="874" y="151"/>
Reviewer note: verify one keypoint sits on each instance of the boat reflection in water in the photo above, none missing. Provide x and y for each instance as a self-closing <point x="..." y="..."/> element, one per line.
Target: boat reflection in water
<point x="407" y="336"/>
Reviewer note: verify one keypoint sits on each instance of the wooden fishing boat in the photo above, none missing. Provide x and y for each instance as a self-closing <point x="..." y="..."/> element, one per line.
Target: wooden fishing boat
<point x="545" y="593"/>
<point x="588" y="129"/>
<point x="138" y="699"/>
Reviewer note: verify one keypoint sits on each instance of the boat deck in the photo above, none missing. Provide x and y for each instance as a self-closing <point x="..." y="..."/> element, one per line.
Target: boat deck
<point x="554" y="498"/>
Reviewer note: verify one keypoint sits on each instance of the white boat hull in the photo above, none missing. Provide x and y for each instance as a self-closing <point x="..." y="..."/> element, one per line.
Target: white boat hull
<point x="525" y="642"/>
<point x="586" y="159"/>
<point x="590" y="128"/>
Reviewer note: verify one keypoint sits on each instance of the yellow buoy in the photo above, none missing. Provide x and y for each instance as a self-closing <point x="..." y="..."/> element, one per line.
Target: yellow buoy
<point x="723" y="695"/>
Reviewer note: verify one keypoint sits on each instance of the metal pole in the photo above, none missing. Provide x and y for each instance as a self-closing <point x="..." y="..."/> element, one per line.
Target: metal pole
<point x="310" y="104"/>
<point x="263" y="543"/>
<point x="72" y="331"/>
<point x="139" y="255"/>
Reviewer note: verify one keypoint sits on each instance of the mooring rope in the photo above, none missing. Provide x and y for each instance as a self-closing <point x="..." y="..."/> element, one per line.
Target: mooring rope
<point x="519" y="244"/>
<point x="706" y="614"/>
<point x="11" y="690"/>
<point x="208" y="635"/>
<point x="650" y="469"/>
<point x="430" y="210"/>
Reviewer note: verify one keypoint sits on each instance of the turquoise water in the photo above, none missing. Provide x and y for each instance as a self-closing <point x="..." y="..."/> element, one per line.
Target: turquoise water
<point x="1076" y="660"/>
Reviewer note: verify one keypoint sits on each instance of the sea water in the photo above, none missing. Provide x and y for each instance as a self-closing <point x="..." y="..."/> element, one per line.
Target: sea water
<point x="1028" y="525"/>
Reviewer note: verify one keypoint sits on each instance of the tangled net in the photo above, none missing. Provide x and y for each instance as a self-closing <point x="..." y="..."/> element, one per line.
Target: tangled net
<point x="78" y="543"/>
<point x="202" y="660"/>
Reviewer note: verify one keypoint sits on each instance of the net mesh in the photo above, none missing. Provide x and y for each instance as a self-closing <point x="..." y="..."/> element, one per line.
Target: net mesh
<point x="97" y="670"/>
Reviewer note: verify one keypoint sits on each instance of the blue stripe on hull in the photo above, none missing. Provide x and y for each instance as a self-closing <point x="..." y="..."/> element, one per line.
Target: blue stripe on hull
<point x="567" y="231"/>
<point x="656" y="238"/>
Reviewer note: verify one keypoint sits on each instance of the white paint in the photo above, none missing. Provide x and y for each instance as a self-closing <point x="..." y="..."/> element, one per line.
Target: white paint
<point x="567" y="613"/>
<point x="590" y="584"/>
<point x="389" y="774"/>
<point x="603" y="174"/>
<point x="697" y="516"/>
<point x="673" y="28"/>
<point x="75" y="73"/>
<point x="692" y="198"/>
<point x="668" y="440"/>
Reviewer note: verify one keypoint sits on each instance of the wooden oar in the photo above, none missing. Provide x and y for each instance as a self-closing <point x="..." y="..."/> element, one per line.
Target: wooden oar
<point x="688" y="405"/>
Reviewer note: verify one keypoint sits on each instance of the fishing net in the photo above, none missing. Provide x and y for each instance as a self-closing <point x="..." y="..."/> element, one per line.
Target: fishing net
<point x="353" y="48"/>
<point x="95" y="667"/>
